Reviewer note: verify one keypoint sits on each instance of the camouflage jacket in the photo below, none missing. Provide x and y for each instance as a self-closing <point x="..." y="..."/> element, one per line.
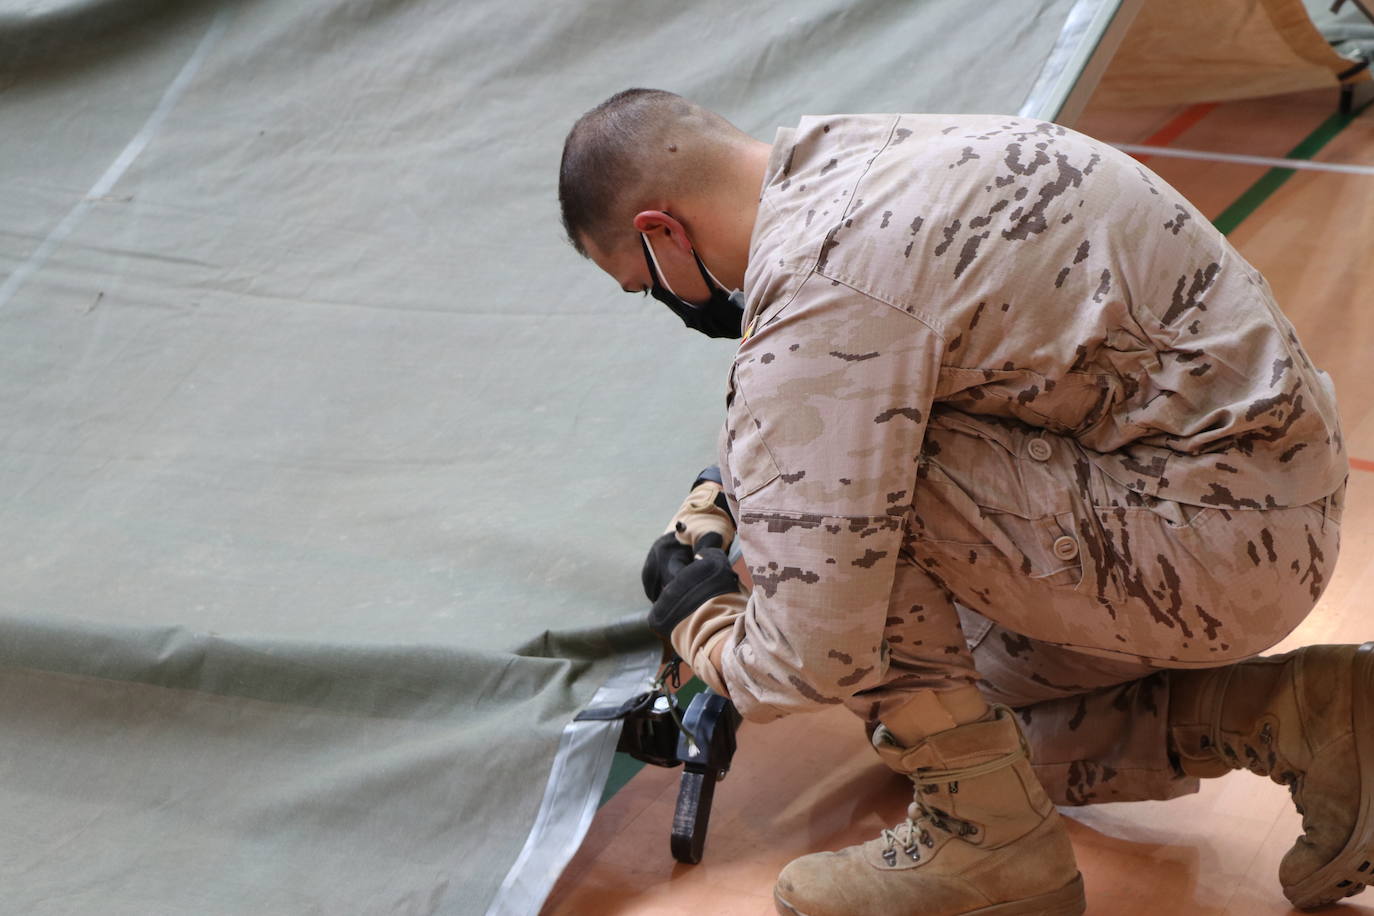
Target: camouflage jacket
<point x="993" y="266"/>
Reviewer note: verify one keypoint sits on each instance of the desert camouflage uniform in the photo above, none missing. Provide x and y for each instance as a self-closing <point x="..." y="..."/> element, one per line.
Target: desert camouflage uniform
<point x="996" y="369"/>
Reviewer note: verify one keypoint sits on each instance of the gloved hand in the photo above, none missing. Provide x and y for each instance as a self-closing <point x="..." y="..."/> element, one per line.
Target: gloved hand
<point x="707" y="576"/>
<point x="667" y="557"/>
<point x="705" y="511"/>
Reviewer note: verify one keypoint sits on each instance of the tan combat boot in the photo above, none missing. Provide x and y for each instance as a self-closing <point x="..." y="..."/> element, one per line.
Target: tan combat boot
<point x="1305" y="719"/>
<point x="981" y="837"/>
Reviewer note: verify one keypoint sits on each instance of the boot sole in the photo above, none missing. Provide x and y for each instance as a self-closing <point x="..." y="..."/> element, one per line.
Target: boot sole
<point x="1348" y="872"/>
<point x="1067" y="901"/>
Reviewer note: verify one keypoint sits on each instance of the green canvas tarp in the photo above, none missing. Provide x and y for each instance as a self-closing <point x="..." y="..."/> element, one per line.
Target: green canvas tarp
<point x="326" y="466"/>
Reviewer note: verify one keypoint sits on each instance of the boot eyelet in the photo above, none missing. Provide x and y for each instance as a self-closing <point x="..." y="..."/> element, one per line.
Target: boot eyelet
<point x="954" y="788"/>
<point x="1266" y="734"/>
<point x="890" y="857"/>
<point x="914" y="852"/>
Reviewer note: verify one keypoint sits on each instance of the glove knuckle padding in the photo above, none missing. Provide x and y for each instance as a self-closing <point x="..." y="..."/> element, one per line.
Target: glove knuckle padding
<point x="701" y="514"/>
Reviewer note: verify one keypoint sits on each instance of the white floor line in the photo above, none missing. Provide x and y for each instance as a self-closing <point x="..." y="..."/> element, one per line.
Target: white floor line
<point x="1266" y="161"/>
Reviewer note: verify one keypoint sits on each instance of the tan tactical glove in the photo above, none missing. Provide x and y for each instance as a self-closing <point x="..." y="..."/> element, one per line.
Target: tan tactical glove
<point x="704" y="512"/>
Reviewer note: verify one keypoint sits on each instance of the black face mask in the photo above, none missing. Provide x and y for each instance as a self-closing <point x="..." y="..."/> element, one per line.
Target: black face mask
<point x="720" y="316"/>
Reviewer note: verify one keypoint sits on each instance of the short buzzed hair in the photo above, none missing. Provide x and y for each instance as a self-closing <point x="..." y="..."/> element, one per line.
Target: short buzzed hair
<point x="616" y="158"/>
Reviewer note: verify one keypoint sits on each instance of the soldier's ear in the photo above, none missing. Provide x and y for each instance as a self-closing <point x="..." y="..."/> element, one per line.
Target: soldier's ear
<point x="650" y="222"/>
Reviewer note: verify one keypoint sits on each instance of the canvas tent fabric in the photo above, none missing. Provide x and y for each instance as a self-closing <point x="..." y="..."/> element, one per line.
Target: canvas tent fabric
<point x="1186" y="51"/>
<point x="326" y="465"/>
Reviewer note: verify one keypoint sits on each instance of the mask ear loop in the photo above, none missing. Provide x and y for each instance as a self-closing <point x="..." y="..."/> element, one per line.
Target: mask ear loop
<point x="654" y="266"/>
<point x="707" y="275"/>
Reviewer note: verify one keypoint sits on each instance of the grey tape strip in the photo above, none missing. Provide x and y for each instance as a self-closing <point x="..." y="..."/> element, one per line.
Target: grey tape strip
<point x="120" y="165"/>
<point x="571" y="796"/>
<point x="1075" y="46"/>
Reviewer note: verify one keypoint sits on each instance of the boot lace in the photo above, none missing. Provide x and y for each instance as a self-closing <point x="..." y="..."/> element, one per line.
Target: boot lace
<point x="912" y="834"/>
<point x="915" y="832"/>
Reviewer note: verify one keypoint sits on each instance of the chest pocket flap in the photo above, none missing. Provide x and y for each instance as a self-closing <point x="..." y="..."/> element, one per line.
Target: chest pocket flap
<point x="750" y="463"/>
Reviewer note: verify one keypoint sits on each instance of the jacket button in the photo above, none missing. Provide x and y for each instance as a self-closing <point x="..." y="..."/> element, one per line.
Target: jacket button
<point x="1039" y="450"/>
<point x="1065" y="548"/>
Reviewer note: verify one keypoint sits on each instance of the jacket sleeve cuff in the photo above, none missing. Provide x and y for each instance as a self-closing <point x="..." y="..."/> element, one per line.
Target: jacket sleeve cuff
<point x="696" y="639"/>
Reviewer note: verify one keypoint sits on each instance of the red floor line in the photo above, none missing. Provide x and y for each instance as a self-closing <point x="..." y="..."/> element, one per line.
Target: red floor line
<point x="1361" y="464"/>
<point x="1177" y="126"/>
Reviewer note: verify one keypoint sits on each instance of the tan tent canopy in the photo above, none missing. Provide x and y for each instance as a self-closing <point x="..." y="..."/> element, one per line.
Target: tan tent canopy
<point x="1183" y="51"/>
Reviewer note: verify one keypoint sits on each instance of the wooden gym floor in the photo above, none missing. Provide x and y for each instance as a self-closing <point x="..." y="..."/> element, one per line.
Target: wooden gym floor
<point x="809" y="783"/>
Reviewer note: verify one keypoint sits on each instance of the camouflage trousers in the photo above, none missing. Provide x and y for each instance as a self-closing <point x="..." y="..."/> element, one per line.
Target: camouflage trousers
<point x="1064" y="594"/>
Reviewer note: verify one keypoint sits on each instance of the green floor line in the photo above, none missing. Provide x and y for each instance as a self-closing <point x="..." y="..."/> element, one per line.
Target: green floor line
<point x="624" y="767"/>
<point x="1274" y="179"/>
